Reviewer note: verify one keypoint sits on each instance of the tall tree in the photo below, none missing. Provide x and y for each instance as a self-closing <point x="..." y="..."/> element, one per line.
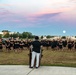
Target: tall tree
<point x="7" y="35"/>
<point x="0" y="35"/>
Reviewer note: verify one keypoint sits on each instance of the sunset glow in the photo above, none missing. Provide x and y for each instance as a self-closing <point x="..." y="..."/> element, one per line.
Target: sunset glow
<point x="41" y="17"/>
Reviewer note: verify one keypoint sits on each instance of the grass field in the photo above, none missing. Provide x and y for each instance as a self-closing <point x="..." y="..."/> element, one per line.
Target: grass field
<point x="50" y="58"/>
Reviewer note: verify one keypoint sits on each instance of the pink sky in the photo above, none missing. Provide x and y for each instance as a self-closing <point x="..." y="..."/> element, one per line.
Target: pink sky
<point x="32" y="14"/>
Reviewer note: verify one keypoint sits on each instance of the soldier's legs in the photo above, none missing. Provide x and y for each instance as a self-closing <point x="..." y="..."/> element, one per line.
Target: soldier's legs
<point x="33" y="58"/>
<point x="37" y="59"/>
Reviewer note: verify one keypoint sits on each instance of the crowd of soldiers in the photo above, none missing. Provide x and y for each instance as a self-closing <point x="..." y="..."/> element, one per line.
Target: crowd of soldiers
<point x="60" y="44"/>
<point x="19" y="45"/>
<point x="16" y="45"/>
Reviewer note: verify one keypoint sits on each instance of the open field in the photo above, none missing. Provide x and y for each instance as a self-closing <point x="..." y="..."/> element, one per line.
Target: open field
<point x="50" y="58"/>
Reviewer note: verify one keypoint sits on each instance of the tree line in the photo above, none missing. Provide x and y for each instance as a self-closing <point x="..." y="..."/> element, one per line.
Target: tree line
<point x="17" y="34"/>
<point x="22" y="35"/>
<point x="25" y="35"/>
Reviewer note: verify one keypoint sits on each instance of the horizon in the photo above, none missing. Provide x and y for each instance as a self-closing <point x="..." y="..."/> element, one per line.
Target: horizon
<point x="40" y="35"/>
<point x="42" y="17"/>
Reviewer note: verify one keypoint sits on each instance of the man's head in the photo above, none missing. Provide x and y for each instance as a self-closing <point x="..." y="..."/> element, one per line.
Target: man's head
<point x="36" y="37"/>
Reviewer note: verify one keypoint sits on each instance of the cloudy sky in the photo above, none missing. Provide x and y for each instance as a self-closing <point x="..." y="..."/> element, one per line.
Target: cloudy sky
<point x="40" y="17"/>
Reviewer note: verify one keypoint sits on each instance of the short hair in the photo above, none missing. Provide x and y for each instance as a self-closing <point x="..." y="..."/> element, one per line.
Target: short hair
<point x="36" y="37"/>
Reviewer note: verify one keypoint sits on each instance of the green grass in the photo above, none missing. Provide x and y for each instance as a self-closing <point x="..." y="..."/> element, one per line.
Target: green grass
<point x="50" y="58"/>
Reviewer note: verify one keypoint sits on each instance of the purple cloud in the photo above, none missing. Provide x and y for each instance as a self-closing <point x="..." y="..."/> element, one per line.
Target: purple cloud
<point x="3" y="11"/>
<point x="6" y="15"/>
<point x="48" y="15"/>
<point x="45" y="16"/>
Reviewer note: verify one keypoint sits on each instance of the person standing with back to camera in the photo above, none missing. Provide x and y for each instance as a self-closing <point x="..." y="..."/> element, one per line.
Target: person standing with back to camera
<point x="36" y="49"/>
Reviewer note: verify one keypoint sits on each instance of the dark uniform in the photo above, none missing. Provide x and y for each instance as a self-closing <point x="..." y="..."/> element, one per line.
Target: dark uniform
<point x="54" y="44"/>
<point x="70" y="45"/>
<point x="64" y="43"/>
<point x="75" y="45"/>
<point x="8" y="47"/>
<point x="12" y="44"/>
<point x="21" y="45"/>
<point x="1" y="46"/>
<point x="16" y="46"/>
<point x="60" y="45"/>
<point x="36" y="46"/>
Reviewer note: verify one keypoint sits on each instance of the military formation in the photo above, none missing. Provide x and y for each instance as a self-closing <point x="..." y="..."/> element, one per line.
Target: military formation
<point x="16" y="45"/>
<point x="20" y="45"/>
<point x="59" y="44"/>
